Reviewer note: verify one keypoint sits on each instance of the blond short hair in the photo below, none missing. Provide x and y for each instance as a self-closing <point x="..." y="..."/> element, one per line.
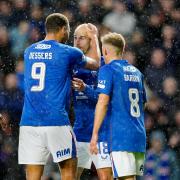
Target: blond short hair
<point x="116" y="40"/>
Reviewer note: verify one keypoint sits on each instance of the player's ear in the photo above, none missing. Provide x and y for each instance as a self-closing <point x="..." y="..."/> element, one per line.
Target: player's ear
<point x="105" y="51"/>
<point x="63" y="29"/>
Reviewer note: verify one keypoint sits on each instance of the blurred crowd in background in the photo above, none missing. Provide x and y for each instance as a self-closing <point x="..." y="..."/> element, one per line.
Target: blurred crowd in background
<point x="151" y="29"/>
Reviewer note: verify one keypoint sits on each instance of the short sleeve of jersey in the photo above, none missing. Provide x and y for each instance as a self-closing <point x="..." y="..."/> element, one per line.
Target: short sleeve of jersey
<point x="77" y="57"/>
<point x="105" y="80"/>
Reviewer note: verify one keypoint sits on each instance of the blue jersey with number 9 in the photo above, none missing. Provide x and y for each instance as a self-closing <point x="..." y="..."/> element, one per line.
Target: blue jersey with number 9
<point x="47" y="81"/>
<point x="124" y="84"/>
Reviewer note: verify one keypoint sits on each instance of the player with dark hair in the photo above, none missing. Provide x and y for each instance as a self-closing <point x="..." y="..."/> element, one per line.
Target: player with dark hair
<point x="45" y="128"/>
<point x="121" y="86"/>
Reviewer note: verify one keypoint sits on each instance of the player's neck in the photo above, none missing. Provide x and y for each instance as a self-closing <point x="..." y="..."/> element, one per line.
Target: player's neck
<point x="111" y="58"/>
<point x="51" y="36"/>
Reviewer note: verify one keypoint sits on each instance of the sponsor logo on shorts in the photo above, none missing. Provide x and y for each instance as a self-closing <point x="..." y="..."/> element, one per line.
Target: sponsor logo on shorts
<point x="63" y="152"/>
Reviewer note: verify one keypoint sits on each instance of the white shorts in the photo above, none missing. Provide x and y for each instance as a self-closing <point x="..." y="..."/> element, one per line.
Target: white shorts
<point x="85" y="158"/>
<point x="37" y="143"/>
<point x="127" y="163"/>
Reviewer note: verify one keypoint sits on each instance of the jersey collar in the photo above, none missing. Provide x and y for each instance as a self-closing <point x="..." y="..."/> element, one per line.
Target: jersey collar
<point x="121" y="61"/>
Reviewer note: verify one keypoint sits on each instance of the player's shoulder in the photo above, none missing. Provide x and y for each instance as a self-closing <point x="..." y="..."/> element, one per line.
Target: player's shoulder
<point x="113" y="65"/>
<point x="137" y="70"/>
<point x="106" y="68"/>
<point x="74" y="50"/>
<point x="131" y="68"/>
<point x="33" y="46"/>
<point x="47" y="44"/>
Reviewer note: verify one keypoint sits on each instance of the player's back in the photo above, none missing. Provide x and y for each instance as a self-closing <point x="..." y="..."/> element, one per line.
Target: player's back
<point x="47" y="83"/>
<point x="127" y="115"/>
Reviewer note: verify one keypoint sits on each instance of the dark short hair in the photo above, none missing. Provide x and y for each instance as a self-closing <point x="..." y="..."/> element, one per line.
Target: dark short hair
<point x="55" y="21"/>
<point x="116" y="40"/>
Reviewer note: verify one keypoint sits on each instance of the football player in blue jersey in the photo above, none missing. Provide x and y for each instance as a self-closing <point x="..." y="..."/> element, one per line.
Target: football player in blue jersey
<point x="121" y="85"/>
<point x="45" y="128"/>
<point x="85" y="99"/>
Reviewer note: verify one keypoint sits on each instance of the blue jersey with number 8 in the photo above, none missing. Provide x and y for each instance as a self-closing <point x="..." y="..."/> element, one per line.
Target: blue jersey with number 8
<point x="124" y="84"/>
<point x="47" y="80"/>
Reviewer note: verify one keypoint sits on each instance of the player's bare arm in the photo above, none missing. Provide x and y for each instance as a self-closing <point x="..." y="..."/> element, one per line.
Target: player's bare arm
<point x="100" y="113"/>
<point x="91" y="64"/>
<point x="94" y="51"/>
<point x="93" y="55"/>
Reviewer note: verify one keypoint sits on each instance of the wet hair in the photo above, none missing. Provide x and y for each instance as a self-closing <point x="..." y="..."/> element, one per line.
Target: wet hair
<point x="81" y="26"/>
<point x="116" y="40"/>
<point x="56" y="21"/>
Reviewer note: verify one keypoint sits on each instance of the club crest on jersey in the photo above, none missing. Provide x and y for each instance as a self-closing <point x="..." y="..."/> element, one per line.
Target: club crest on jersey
<point x="43" y="46"/>
<point x="63" y="152"/>
<point x="101" y="84"/>
<point x="94" y="73"/>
